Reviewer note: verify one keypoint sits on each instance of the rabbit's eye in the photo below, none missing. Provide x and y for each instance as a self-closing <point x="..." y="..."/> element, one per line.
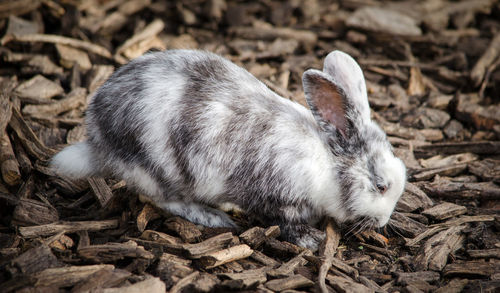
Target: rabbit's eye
<point x="382" y="188"/>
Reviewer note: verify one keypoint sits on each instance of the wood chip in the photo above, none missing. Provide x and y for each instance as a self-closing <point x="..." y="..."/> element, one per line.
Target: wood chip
<point x="346" y="285"/>
<point x="444" y="211"/>
<point x="215" y="243"/>
<point x="287" y="268"/>
<point x="217" y="258"/>
<point x="151" y="284"/>
<point x="113" y="251"/>
<point x="68" y="227"/>
<point x="384" y="21"/>
<point x="33" y="261"/>
<point x="185" y="229"/>
<point x="104" y="278"/>
<point x="38" y="90"/>
<point x="67" y="276"/>
<point x="292" y="282"/>
<point x="471" y="269"/>
<point x="70" y="56"/>
<point x="256" y="236"/>
<point x="327" y="252"/>
<point x="486" y="59"/>
<point x="32" y="212"/>
<point x="101" y="190"/>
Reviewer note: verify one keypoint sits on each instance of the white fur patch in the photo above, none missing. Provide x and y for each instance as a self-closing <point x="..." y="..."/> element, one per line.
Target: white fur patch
<point x="74" y="161"/>
<point x="198" y="214"/>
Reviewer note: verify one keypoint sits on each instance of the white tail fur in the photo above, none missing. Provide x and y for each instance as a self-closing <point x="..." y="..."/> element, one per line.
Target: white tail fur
<point x="73" y="161"/>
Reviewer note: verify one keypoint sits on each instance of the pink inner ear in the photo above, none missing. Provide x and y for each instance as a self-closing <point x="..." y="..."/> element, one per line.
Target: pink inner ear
<point x="330" y="103"/>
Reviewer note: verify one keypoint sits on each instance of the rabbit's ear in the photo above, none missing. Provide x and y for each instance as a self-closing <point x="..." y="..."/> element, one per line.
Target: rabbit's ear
<point x="326" y="100"/>
<point x="346" y="74"/>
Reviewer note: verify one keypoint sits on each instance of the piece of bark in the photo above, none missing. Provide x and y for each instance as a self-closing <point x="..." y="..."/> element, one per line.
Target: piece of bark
<point x="68" y="227"/>
<point x="287" y="268"/>
<point x="406" y="226"/>
<point x="465" y="219"/>
<point x="444" y="211"/>
<point x="9" y="165"/>
<point x="341" y="284"/>
<point x="28" y="138"/>
<point x="23" y="160"/>
<point x="18" y="7"/>
<point x="38" y="90"/>
<point x="454" y="286"/>
<point x="34" y="212"/>
<point x="101" y="279"/>
<point x="75" y="99"/>
<point x="67" y="276"/>
<point x="151" y="284"/>
<point x="470" y="269"/>
<point x="488" y="169"/>
<point x="33" y="261"/>
<point x="446" y="189"/>
<point x="429" y="173"/>
<point x="246" y="279"/>
<point x="55" y="39"/>
<point x="149" y="31"/>
<point x="327" y="251"/>
<point x="148" y="213"/>
<point x="307" y="38"/>
<point x="485" y="253"/>
<point x="217" y="258"/>
<point x="101" y="190"/>
<point x="5" y="107"/>
<point x="468" y="110"/>
<point x="292" y="282"/>
<point x="185" y="229"/>
<point x="98" y="75"/>
<point x="413" y="199"/>
<point x="113" y="251"/>
<point x="160" y="237"/>
<point x="212" y="244"/>
<point x="381" y="20"/>
<point x="172" y="268"/>
<point x="436" y="250"/>
<point x="184" y="282"/>
<point x="408" y="278"/>
<point x="491" y="53"/>
<point x="264" y="259"/>
<point x="70" y="56"/>
<point x="476" y="147"/>
<point x="281" y="248"/>
<point x="443" y="161"/>
<point x="43" y="65"/>
<point x="256" y="236"/>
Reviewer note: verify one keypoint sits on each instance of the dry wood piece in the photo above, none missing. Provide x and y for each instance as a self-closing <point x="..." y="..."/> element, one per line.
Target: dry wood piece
<point x="184" y="282"/>
<point x="101" y="190"/>
<point x="38" y="90"/>
<point x="469" y="110"/>
<point x="17" y="7"/>
<point x="287" y="268"/>
<point x="256" y="236"/>
<point x="113" y="251"/>
<point x="55" y="39"/>
<point x="465" y="219"/>
<point x="147" y="214"/>
<point x="9" y="165"/>
<point x="455" y="285"/>
<point x="74" y="100"/>
<point x="479" y="70"/>
<point x="70" y="56"/>
<point x="148" y="32"/>
<point x="471" y="269"/>
<point x="245" y="280"/>
<point x="160" y="237"/>
<point x="185" y="229"/>
<point x="210" y="245"/>
<point x="485" y="253"/>
<point x="68" y="227"/>
<point x="445" y="211"/>
<point x="327" y="252"/>
<point x="408" y="278"/>
<point x="151" y="284"/>
<point x="292" y="282"/>
<point x="487" y="169"/>
<point x="412" y="199"/>
<point x="308" y="38"/>
<point x="427" y="174"/>
<point x="446" y="189"/>
<point x="342" y="284"/>
<point x="443" y="161"/>
<point x="104" y="278"/>
<point x="405" y="225"/>
<point x="384" y="21"/>
<point x="32" y="261"/>
<point x="5" y="109"/>
<point x="476" y="147"/>
<point x="437" y="248"/>
<point x="34" y="212"/>
<point x="28" y="138"/>
<point x="214" y="259"/>
<point x="67" y="276"/>
<point x="281" y="248"/>
<point x="264" y="259"/>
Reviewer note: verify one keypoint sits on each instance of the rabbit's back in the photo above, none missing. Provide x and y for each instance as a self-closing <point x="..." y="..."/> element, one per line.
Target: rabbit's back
<point x="196" y="126"/>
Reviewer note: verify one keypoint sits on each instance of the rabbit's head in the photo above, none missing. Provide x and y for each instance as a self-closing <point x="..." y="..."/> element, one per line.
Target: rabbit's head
<point x="370" y="178"/>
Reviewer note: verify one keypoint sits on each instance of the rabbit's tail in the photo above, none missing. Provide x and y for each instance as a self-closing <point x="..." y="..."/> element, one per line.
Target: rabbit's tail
<point x="74" y="161"/>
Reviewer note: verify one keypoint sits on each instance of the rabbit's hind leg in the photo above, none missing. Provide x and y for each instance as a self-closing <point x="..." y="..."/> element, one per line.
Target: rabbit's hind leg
<point x="198" y="214"/>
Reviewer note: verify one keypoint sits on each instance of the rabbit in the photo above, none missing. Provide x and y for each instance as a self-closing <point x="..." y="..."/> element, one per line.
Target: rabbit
<point x="191" y="130"/>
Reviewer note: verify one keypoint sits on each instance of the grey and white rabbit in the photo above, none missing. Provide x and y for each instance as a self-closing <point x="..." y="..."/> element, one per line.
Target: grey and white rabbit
<point x="191" y="130"/>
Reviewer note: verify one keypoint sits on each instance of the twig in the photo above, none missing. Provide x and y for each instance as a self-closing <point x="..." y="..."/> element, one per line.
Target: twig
<point x="327" y="251"/>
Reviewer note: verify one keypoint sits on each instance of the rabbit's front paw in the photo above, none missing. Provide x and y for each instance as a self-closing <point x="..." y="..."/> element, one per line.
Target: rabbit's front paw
<point x="303" y="235"/>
